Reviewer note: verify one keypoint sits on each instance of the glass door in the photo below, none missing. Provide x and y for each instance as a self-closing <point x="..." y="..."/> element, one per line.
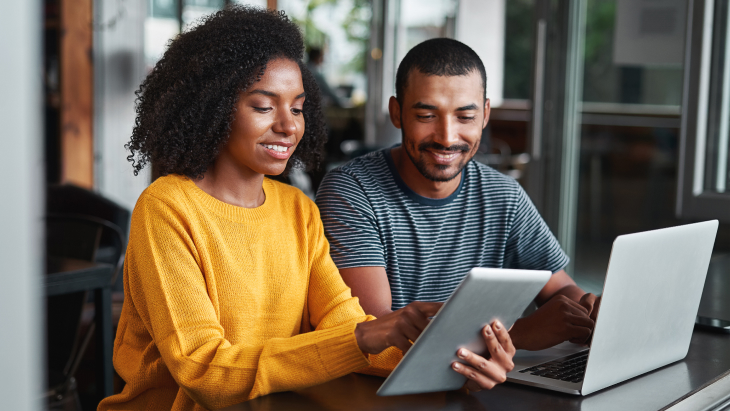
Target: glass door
<point x="608" y="98"/>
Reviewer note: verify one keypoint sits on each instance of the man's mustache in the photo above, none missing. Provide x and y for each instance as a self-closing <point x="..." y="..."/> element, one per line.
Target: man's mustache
<point x="436" y="146"/>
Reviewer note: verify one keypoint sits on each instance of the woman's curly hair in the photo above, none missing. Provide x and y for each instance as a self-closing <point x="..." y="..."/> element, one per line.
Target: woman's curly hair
<point x="186" y="105"/>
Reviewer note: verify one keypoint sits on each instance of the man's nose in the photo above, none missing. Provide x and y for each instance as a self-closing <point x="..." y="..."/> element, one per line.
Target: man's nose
<point x="446" y="132"/>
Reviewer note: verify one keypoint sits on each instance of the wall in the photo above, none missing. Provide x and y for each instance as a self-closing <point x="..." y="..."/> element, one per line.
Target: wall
<point x="20" y="223"/>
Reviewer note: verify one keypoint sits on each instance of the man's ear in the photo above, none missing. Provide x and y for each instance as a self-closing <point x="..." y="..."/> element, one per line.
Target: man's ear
<point x="487" y="110"/>
<point x="394" y="110"/>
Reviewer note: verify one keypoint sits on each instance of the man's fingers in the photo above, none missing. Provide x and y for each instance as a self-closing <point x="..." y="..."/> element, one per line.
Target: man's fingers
<point x="580" y="320"/>
<point x="503" y="337"/>
<point x="579" y="335"/>
<point x="575" y="307"/>
<point x="588" y="301"/>
<point x="485" y="378"/>
<point x="596" y="308"/>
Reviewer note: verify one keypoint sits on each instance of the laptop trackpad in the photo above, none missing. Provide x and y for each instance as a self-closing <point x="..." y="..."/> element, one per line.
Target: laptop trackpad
<point x="526" y="359"/>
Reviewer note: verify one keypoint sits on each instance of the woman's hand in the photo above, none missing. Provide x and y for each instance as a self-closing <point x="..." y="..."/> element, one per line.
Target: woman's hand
<point x="483" y="374"/>
<point x="396" y="328"/>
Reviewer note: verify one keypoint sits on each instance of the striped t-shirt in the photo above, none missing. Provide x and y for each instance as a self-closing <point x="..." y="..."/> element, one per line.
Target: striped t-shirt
<point x="427" y="246"/>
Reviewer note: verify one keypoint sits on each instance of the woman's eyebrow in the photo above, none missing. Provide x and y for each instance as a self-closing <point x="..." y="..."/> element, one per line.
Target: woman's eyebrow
<point x="272" y="94"/>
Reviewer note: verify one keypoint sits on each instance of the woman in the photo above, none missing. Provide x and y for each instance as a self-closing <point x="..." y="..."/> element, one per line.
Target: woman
<point x="230" y="292"/>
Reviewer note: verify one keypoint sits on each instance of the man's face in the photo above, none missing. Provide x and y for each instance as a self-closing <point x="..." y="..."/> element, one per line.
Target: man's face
<point x="441" y="120"/>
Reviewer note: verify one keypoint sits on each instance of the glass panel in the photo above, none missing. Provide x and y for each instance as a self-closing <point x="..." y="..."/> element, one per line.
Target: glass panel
<point x="194" y="10"/>
<point x="160" y="26"/>
<point x="620" y="65"/>
<point x="630" y="126"/>
<point x="256" y="3"/>
<point x="336" y="35"/>
<point x="422" y="20"/>
<point x="718" y="121"/>
<point x="518" y="48"/>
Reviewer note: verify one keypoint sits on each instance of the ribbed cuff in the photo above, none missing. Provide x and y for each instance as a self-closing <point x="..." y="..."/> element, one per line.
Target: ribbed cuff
<point x="339" y="351"/>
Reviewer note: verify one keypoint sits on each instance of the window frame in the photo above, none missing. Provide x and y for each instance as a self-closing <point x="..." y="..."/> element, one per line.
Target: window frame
<point x="694" y="201"/>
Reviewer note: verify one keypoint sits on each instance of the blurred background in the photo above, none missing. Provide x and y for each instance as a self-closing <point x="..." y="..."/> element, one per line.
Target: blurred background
<point x="612" y="114"/>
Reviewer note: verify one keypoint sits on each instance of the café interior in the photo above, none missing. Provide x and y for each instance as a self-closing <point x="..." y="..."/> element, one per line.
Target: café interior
<point x="613" y="115"/>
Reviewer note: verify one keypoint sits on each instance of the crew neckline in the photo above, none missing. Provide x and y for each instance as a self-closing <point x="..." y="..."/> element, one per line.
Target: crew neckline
<point x="230" y="211"/>
<point x="412" y="194"/>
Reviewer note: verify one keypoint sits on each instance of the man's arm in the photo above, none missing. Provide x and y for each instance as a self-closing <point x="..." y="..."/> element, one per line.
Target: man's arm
<point x="371" y="286"/>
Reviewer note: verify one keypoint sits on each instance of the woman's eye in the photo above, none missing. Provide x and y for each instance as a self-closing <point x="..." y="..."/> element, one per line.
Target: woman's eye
<point x="296" y="111"/>
<point x="262" y="109"/>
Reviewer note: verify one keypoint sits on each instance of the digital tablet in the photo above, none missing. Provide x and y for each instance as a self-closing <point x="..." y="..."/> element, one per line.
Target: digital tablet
<point x="485" y="295"/>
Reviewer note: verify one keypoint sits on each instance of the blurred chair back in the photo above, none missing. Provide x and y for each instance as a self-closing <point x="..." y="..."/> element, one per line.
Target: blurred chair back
<point x="71" y="199"/>
<point x="78" y="237"/>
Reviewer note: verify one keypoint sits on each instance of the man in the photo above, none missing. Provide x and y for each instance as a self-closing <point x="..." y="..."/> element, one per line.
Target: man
<point x="407" y="223"/>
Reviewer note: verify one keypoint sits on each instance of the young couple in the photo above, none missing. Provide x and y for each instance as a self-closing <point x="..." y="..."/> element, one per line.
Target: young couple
<point x="230" y="289"/>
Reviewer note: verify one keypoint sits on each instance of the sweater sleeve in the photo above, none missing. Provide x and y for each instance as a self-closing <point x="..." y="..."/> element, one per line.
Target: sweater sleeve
<point x="169" y="291"/>
<point x="331" y="301"/>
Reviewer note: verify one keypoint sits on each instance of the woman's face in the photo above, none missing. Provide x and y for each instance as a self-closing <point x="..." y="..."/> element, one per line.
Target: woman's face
<point x="268" y="123"/>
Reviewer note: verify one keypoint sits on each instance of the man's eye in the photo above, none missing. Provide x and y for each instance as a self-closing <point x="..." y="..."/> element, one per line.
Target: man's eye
<point x="467" y="118"/>
<point x="425" y="117"/>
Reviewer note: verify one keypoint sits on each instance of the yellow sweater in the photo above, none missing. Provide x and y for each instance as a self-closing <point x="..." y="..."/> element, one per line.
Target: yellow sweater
<point x="224" y="303"/>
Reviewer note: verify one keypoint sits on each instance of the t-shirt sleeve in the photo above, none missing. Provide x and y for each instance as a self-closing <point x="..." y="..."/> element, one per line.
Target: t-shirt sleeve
<point x="531" y="245"/>
<point x="349" y="222"/>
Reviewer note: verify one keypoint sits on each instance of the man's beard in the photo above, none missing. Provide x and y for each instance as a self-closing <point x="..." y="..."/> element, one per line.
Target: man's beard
<point x="416" y="156"/>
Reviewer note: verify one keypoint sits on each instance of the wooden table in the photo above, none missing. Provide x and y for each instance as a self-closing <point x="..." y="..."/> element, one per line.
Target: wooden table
<point x="707" y="360"/>
<point x="67" y="275"/>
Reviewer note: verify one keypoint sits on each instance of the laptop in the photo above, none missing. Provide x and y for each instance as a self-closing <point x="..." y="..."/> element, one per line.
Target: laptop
<point x="649" y="303"/>
<point x="485" y="294"/>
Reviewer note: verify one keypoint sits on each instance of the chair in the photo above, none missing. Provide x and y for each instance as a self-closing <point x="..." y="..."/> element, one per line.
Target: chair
<point x="72" y="236"/>
<point x="71" y="199"/>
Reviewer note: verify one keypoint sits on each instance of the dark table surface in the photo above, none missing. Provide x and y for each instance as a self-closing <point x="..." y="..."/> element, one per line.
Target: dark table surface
<point x="708" y="359"/>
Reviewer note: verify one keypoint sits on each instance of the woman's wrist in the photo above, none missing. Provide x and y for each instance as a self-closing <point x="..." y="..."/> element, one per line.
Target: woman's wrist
<point x="360" y="337"/>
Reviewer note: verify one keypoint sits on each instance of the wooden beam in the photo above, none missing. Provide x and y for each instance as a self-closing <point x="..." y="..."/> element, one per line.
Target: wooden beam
<point x="77" y="142"/>
<point x="271" y="4"/>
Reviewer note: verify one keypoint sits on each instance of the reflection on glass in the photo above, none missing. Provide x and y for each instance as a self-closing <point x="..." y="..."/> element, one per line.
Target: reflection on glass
<point x="622" y="65"/>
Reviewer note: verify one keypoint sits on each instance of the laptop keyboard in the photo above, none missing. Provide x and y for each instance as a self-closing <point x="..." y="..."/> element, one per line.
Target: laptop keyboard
<point x="570" y="368"/>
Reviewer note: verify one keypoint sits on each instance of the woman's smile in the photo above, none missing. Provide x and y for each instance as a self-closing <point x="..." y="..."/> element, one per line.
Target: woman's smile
<point x="278" y="150"/>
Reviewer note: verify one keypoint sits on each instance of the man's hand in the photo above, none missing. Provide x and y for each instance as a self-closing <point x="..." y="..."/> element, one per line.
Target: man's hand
<point x="560" y="319"/>
<point x="591" y="303"/>
<point x="482" y="373"/>
<point x="395" y="328"/>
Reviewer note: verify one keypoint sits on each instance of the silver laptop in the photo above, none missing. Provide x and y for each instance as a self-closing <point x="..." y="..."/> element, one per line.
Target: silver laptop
<point x="650" y="299"/>
<point x="484" y="295"/>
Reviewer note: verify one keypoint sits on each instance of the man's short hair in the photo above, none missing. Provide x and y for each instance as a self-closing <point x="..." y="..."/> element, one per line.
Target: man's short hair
<point x="439" y="57"/>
